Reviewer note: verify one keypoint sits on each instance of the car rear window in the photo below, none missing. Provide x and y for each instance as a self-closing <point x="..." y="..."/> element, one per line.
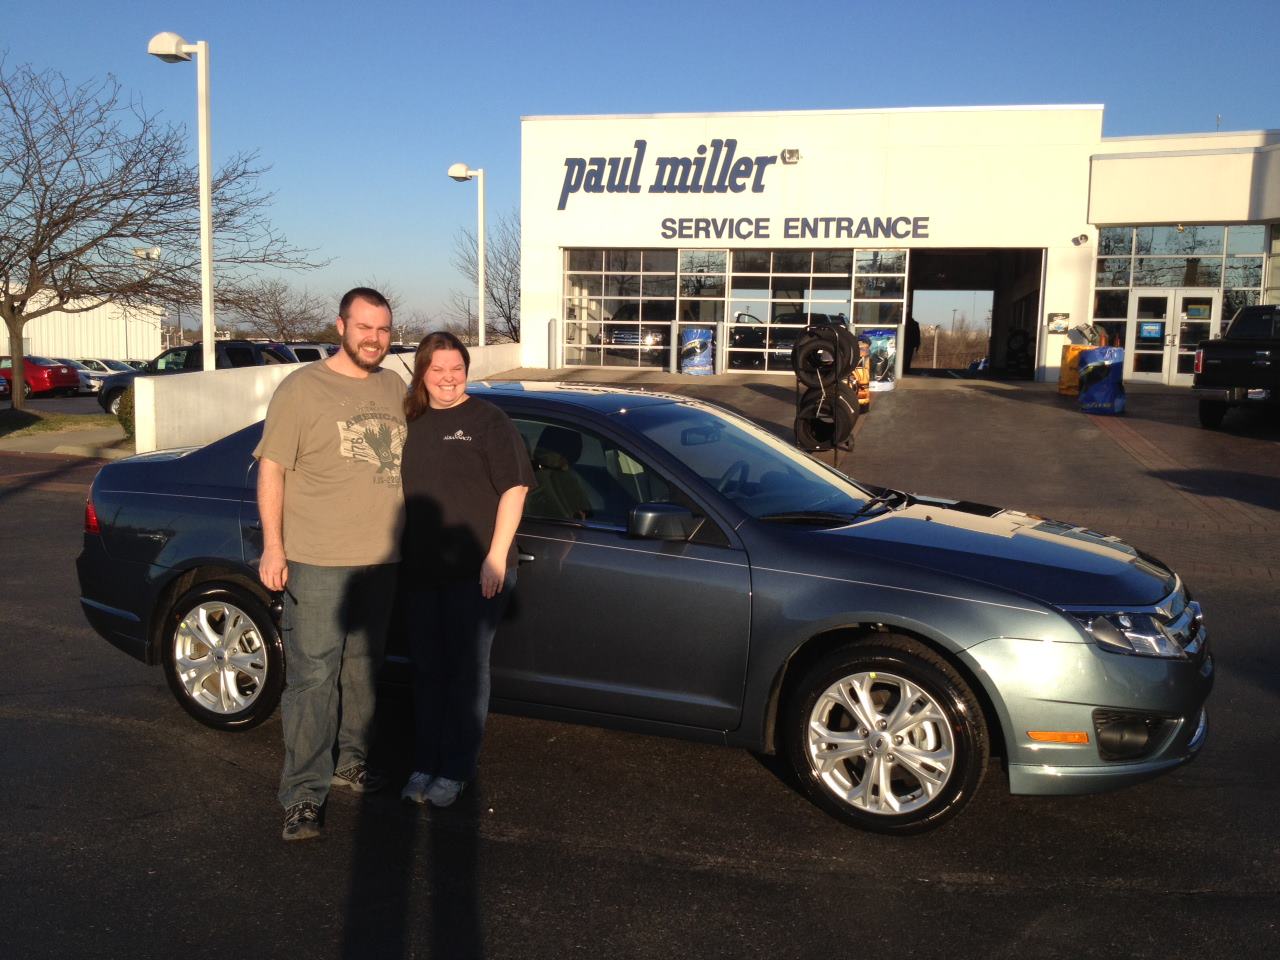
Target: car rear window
<point x="1255" y="323"/>
<point x="43" y="361"/>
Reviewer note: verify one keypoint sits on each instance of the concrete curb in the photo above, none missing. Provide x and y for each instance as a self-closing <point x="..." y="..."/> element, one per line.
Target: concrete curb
<point x="96" y="452"/>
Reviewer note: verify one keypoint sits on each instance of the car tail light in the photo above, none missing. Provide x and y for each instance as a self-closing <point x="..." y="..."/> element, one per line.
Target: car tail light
<point x="91" y="524"/>
<point x="1199" y="361"/>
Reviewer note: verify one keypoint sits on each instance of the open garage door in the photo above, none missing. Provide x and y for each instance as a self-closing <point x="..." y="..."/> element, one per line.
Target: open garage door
<point x="977" y="310"/>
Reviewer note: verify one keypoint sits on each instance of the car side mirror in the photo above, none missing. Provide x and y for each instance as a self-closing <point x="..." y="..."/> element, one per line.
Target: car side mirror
<point x="660" y="521"/>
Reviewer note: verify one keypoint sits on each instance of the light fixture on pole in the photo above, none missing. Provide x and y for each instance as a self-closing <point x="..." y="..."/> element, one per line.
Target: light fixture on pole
<point x="171" y="48"/>
<point x="462" y="173"/>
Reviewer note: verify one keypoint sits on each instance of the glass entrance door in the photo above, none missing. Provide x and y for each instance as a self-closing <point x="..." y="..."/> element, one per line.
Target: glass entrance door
<point x="1165" y="327"/>
<point x="1197" y="316"/>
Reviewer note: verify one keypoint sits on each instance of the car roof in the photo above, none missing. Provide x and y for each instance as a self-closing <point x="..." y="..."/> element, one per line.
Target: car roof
<point x="599" y="399"/>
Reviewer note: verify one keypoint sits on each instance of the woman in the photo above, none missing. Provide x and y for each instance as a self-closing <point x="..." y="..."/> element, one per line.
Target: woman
<point x="465" y="472"/>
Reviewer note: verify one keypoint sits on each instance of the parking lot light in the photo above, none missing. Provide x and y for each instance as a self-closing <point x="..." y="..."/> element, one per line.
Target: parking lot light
<point x="171" y="48"/>
<point x="462" y="173"/>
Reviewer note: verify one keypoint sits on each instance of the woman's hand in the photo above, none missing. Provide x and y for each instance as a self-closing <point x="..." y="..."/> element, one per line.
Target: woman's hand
<point x="492" y="573"/>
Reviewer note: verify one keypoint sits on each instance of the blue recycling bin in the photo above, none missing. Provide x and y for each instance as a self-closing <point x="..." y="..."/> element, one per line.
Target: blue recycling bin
<point x="697" y="351"/>
<point x="1102" y="381"/>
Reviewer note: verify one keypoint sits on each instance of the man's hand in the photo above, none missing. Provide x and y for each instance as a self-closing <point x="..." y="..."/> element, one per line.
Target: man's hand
<point x="492" y="574"/>
<point x="273" y="571"/>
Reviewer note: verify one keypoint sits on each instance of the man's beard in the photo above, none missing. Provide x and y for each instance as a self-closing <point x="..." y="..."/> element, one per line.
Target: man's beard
<point x="357" y="359"/>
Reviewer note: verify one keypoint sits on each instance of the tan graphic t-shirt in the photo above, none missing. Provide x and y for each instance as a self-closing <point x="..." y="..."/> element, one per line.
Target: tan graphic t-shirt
<point x="339" y="439"/>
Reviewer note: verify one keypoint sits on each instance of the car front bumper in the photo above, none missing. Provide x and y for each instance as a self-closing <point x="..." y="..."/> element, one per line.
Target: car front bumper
<point x="1046" y="687"/>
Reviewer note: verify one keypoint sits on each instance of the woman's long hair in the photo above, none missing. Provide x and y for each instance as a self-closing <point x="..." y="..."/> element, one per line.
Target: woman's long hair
<point x="416" y="401"/>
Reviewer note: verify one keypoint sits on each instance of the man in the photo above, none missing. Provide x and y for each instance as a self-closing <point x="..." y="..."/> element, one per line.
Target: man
<point x="331" y="506"/>
<point x="912" y="344"/>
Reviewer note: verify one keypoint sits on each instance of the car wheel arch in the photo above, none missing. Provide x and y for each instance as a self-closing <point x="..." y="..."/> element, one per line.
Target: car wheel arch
<point x="191" y="578"/>
<point x="819" y="645"/>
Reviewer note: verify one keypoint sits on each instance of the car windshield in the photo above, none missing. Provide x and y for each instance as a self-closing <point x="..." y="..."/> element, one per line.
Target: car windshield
<point x="117" y="365"/>
<point x="76" y="364"/>
<point x="760" y="474"/>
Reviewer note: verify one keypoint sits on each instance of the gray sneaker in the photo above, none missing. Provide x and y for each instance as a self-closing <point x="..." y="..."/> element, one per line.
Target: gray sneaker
<point x="358" y="778"/>
<point x="415" y="791"/>
<point x="444" y="791"/>
<point x="302" y="821"/>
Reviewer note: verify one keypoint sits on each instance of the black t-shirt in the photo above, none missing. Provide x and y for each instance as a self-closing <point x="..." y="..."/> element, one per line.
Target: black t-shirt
<point x="457" y="464"/>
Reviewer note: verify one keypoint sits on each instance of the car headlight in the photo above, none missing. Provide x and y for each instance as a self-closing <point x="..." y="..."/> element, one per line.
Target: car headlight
<point x="1133" y="633"/>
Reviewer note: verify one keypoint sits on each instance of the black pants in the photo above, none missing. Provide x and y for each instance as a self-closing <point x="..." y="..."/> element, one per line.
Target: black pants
<point x="450" y="635"/>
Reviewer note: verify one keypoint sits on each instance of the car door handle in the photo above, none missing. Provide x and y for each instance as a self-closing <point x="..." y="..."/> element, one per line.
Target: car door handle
<point x="523" y="557"/>
<point x="253" y="524"/>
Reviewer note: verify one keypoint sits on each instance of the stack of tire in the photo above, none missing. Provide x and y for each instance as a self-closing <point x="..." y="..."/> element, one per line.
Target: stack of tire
<point x="827" y="409"/>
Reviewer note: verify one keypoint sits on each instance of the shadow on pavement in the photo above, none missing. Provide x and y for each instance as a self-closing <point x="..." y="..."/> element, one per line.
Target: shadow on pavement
<point x="414" y="885"/>
<point x="26" y="481"/>
<point x="1251" y="488"/>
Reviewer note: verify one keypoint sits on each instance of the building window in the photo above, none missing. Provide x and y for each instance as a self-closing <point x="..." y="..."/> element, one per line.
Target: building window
<point x="631" y="307"/>
<point x="1231" y="259"/>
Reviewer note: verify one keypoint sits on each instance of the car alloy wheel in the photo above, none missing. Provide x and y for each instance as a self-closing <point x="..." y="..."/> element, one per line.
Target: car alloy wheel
<point x="887" y="736"/>
<point x="223" y="656"/>
<point x="113" y="403"/>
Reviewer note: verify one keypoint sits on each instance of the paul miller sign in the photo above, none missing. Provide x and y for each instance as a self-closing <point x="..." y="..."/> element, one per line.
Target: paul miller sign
<point x="722" y="171"/>
<point x="717" y="168"/>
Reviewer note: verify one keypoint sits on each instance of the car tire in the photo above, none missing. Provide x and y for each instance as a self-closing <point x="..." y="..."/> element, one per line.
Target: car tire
<point x="112" y="404"/>
<point x="26" y="391"/>
<point x="825" y="418"/>
<point x="223" y="656"/>
<point x="1211" y="413"/>
<point x="841" y="743"/>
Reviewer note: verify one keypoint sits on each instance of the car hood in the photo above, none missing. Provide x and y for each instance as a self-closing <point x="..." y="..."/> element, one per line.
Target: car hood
<point x="1056" y="563"/>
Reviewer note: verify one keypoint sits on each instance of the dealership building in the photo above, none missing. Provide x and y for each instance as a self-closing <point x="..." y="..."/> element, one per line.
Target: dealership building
<point x="647" y="237"/>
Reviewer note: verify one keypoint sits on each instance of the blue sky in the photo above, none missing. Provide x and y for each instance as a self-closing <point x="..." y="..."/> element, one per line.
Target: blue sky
<point x="360" y="107"/>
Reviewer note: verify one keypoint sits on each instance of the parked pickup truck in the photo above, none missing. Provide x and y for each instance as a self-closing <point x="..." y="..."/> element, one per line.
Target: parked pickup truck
<point x="185" y="359"/>
<point x="1243" y="367"/>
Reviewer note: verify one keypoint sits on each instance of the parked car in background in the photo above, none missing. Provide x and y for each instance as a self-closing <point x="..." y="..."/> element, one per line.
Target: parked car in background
<point x="1240" y="369"/>
<point x="684" y="572"/>
<point x="6" y="392"/>
<point x="188" y="358"/>
<point x="137" y="364"/>
<point x="310" y="352"/>
<point x="107" y="367"/>
<point x="90" y="380"/>
<point x="43" y="376"/>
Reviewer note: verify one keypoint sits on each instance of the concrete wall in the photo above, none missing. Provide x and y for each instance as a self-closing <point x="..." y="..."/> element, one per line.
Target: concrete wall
<point x="1231" y="184"/>
<point x="191" y="409"/>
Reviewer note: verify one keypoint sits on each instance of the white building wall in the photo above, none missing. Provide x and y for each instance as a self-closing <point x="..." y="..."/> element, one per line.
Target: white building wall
<point x="103" y="333"/>
<point x="983" y="177"/>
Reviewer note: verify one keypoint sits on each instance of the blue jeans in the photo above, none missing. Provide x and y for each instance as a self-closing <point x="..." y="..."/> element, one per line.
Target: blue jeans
<point x="450" y="635"/>
<point x="335" y="628"/>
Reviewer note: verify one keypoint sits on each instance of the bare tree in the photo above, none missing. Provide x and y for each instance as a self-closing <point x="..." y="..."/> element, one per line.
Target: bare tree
<point x="501" y="280"/>
<point x="272" y="308"/>
<point x="88" y="182"/>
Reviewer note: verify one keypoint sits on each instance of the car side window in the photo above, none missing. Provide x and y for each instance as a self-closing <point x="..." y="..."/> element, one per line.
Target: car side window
<point x="175" y="359"/>
<point x="240" y="356"/>
<point x="581" y="476"/>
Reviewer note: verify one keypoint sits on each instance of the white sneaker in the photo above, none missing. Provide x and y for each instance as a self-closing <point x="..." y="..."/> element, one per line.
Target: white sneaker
<point x="444" y="791"/>
<point x="415" y="791"/>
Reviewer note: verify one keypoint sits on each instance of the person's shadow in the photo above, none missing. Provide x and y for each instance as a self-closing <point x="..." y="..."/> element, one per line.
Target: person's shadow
<point x="413" y="876"/>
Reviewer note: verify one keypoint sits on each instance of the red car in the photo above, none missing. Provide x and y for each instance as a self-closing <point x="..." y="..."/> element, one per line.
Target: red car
<point x="43" y="376"/>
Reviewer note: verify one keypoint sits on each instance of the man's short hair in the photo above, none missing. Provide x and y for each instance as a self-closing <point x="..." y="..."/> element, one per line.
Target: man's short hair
<point x="367" y="294"/>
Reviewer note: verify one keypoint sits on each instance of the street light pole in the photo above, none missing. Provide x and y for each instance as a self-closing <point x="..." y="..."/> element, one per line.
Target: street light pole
<point x="462" y="173"/>
<point x="171" y="48"/>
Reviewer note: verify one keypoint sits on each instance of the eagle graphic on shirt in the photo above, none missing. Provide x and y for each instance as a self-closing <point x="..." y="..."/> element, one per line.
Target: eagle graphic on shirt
<point x="376" y="438"/>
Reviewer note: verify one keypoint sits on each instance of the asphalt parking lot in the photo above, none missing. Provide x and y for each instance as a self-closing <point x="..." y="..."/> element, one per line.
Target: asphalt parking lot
<point x="132" y="831"/>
